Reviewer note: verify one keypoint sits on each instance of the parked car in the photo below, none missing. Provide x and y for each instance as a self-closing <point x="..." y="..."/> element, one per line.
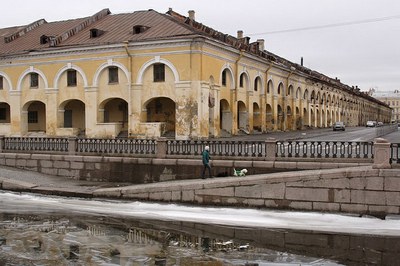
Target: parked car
<point x="339" y="126"/>
<point x="379" y="124"/>
<point x="371" y="123"/>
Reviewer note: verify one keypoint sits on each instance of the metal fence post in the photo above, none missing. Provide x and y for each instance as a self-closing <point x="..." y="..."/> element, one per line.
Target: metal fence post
<point x="270" y="149"/>
<point x="381" y="154"/>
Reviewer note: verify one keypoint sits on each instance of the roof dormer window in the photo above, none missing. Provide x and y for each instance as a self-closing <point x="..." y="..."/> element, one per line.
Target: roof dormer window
<point x="94" y="33"/>
<point x="139" y="29"/>
<point x="44" y="39"/>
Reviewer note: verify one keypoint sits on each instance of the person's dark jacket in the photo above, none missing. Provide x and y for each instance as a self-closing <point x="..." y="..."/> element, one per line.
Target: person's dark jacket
<point x="206" y="157"/>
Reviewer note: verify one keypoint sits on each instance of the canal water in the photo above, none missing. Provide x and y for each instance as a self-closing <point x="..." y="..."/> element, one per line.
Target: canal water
<point x="45" y="230"/>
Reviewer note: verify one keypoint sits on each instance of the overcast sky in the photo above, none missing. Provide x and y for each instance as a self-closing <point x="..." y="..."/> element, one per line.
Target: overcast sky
<point x="357" y="41"/>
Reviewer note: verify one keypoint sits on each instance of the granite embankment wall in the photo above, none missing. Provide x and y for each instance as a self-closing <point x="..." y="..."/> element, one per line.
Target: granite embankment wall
<point x="361" y="190"/>
<point x="150" y="170"/>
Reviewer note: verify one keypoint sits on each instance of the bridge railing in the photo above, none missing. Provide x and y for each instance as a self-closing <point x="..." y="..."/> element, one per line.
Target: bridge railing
<point x="248" y="150"/>
<point x="218" y="148"/>
<point x="325" y="149"/>
<point x="116" y="146"/>
<point x="35" y="144"/>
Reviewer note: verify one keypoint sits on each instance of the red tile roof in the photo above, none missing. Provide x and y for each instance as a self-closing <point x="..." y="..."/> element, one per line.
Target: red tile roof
<point x="76" y="32"/>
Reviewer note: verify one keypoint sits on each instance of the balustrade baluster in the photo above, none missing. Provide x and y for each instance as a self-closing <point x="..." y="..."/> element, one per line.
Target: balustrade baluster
<point x="312" y="149"/>
<point x="327" y="148"/>
<point x="297" y="149"/>
<point x="289" y="148"/>
<point x="319" y="149"/>
<point x="349" y="150"/>
<point x="342" y="149"/>
<point x="305" y="149"/>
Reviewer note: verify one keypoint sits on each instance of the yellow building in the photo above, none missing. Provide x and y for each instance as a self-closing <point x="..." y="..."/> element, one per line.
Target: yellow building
<point x="147" y="74"/>
<point x="391" y="98"/>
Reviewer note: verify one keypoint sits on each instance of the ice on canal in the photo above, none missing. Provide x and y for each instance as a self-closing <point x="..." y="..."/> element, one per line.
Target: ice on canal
<point x="291" y="220"/>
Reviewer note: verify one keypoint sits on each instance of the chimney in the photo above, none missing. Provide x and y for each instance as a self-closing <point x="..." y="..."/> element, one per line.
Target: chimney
<point x="301" y="63"/>
<point x="261" y="43"/>
<point x="239" y="34"/>
<point x="191" y="14"/>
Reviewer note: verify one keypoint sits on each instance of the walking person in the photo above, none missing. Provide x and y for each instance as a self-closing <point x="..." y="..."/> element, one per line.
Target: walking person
<point x="206" y="162"/>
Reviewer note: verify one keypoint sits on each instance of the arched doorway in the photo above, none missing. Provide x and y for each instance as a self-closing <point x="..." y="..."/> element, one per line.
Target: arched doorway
<point x="269" y="123"/>
<point x="115" y="111"/>
<point x="4" y="113"/>
<point x="72" y="116"/>
<point x="306" y="120"/>
<point x="225" y="116"/>
<point x="289" y="121"/>
<point x="280" y="118"/>
<point x="162" y="110"/>
<point x="256" y="117"/>
<point x="35" y="116"/>
<point x="242" y="116"/>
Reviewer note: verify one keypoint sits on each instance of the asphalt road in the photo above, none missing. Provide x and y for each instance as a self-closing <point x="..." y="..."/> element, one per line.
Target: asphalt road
<point x="325" y="134"/>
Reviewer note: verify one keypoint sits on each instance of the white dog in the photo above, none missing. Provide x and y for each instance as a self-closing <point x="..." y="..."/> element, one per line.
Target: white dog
<point x="242" y="172"/>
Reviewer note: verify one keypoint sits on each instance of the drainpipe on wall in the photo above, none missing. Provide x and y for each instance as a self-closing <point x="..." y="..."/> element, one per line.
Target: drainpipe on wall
<point x="129" y="86"/>
<point x="236" y="83"/>
<point x="266" y="94"/>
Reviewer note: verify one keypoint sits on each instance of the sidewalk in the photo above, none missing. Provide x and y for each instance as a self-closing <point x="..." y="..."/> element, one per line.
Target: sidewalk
<point x="28" y="181"/>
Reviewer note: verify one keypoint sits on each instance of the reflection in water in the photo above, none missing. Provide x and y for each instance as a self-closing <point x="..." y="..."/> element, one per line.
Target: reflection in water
<point x="62" y="240"/>
<point x="39" y="230"/>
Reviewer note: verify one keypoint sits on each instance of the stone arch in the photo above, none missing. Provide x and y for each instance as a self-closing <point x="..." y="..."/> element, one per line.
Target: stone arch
<point x="290" y="91"/>
<point x="71" y="114"/>
<point x="298" y="93"/>
<point x="306" y="117"/>
<point x="106" y="65"/>
<point x="305" y="95"/>
<point x="244" y="80"/>
<point x="289" y="117"/>
<point x="281" y="89"/>
<point x="8" y="80"/>
<point x="34" y="116"/>
<point x="225" y="116"/>
<point x="281" y="117"/>
<point x="242" y="116"/>
<point x="6" y="114"/>
<point x="256" y="117"/>
<point x="157" y="60"/>
<point x="269" y="117"/>
<point x="270" y="87"/>
<point x="115" y="111"/>
<point x="68" y="67"/>
<point x="313" y="97"/>
<point x="161" y="110"/>
<point x="229" y="71"/>
<point x="260" y="84"/>
<point x="28" y="71"/>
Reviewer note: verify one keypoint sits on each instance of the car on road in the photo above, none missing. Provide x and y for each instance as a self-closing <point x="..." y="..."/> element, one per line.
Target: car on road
<point x="371" y="123"/>
<point x="339" y="126"/>
<point x="379" y="124"/>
